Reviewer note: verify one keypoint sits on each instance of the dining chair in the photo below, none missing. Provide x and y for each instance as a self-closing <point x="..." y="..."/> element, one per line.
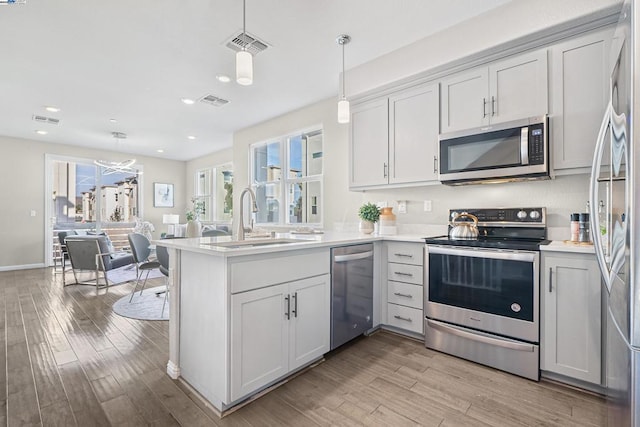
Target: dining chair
<point x="141" y="249"/>
<point x="163" y="258"/>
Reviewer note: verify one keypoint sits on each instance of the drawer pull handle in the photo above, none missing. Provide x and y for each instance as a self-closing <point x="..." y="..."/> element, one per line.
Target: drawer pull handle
<point x="403" y="295"/>
<point x="400" y="273"/>
<point x="404" y="255"/>
<point x="406" y="319"/>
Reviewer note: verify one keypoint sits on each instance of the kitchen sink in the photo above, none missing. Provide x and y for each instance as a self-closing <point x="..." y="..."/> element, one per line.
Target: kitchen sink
<point x="237" y="244"/>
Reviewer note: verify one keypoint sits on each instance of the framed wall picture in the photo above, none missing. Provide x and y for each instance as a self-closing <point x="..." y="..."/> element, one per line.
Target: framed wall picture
<point x="162" y="195"/>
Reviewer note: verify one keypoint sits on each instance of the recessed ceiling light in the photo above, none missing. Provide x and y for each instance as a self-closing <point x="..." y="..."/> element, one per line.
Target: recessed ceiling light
<point x="188" y="101"/>
<point x="223" y="78"/>
<point x="160" y="151"/>
<point x="52" y="109"/>
<point x="42" y="132"/>
<point x="113" y="120"/>
<point x="191" y="137"/>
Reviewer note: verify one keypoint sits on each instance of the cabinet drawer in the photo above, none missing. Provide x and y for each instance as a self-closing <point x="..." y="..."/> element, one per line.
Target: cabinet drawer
<point x="405" y="294"/>
<point x="405" y="273"/>
<point x="407" y="318"/>
<point x="405" y="253"/>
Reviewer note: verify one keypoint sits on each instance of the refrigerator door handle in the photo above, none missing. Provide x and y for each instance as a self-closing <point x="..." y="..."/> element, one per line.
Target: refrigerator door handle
<point x="593" y="195"/>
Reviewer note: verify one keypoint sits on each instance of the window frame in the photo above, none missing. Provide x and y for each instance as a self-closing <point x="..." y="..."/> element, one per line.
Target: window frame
<point x="284" y="182"/>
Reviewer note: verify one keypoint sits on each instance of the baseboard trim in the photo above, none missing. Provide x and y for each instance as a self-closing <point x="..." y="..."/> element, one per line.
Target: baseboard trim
<point x="21" y="267"/>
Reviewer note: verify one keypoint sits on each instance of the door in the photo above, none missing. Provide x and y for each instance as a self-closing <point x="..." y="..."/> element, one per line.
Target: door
<point x="259" y="338"/>
<point x="518" y="88"/>
<point x="464" y="100"/>
<point x="369" y="142"/>
<point x="309" y="324"/>
<point x="413" y="135"/>
<point x="571" y="331"/>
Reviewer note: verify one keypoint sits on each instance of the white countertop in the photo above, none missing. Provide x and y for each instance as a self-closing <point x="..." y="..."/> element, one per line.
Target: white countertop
<point x="209" y="245"/>
<point x="565" y="246"/>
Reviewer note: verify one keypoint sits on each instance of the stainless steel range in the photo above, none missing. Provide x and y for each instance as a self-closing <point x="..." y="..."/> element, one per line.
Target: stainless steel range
<point x="482" y="297"/>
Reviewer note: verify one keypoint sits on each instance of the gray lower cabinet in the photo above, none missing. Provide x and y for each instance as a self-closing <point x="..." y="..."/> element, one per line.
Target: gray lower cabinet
<point x="571" y="343"/>
<point x="579" y="90"/>
<point x="276" y="330"/>
<point x="405" y="286"/>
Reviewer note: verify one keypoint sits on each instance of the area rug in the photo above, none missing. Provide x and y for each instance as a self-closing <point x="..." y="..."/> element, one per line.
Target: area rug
<point x="147" y="306"/>
<point x="116" y="277"/>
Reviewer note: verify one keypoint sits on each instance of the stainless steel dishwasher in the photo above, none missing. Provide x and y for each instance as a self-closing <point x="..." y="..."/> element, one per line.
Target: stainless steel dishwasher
<point x="351" y="292"/>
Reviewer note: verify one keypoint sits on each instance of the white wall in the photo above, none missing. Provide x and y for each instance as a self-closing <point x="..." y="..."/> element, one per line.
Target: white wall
<point x="22" y="189"/>
<point x="503" y="25"/>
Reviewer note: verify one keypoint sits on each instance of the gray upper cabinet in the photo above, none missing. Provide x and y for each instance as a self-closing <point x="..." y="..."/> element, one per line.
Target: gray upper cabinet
<point x="413" y="135"/>
<point x="510" y="89"/>
<point x="579" y="83"/>
<point x="369" y="144"/>
<point x="394" y="139"/>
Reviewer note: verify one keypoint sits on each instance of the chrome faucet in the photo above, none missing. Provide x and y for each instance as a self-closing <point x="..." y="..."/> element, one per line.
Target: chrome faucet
<point x="254" y="208"/>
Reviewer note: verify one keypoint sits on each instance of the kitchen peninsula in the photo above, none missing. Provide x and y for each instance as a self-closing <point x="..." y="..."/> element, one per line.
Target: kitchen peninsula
<point x="247" y="314"/>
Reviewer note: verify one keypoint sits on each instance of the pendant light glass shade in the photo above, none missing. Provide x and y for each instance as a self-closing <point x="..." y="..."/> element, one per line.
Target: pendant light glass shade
<point x="344" y="115"/>
<point x="343" y="111"/>
<point x="244" y="68"/>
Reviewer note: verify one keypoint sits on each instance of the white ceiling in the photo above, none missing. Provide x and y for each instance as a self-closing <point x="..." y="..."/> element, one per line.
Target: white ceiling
<point x="134" y="60"/>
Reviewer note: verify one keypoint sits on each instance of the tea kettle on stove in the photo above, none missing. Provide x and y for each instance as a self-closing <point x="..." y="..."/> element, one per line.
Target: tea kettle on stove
<point x="462" y="229"/>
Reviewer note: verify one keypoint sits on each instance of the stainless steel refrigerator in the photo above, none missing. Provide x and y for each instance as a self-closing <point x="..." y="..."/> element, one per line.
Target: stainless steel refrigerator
<point x="615" y="218"/>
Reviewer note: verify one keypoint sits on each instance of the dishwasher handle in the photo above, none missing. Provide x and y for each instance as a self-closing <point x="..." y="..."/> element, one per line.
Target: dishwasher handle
<point x="353" y="257"/>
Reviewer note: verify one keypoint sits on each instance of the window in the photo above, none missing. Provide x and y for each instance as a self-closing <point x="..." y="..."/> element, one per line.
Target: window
<point x="214" y="187"/>
<point x="286" y="174"/>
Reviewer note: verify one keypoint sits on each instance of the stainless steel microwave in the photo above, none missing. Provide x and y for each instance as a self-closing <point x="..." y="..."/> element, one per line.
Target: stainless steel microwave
<point x="517" y="150"/>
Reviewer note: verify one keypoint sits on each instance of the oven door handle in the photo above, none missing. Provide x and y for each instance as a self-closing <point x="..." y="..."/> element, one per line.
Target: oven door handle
<point x="500" y="342"/>
<point x="483" y="253"/>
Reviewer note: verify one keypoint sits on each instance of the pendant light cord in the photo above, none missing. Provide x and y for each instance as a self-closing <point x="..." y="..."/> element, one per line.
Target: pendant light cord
<point x="343" y="87"/>
<point x="244" y="24"/>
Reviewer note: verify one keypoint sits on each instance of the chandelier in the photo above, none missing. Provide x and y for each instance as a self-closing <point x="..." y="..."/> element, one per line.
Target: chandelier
<point x="125" y="166"/>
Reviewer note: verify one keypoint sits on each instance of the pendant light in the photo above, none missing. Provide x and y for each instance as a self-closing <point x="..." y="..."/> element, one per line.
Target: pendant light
<point x="244" y="60"/>
<point x="343" y="104"/>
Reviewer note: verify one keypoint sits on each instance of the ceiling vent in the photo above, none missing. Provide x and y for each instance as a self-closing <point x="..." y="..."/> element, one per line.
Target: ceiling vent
<point x="252" y="44"/>
<point x="214" y="100"/>
<point x="43" y="119"/>
<point x="119" y="135"/>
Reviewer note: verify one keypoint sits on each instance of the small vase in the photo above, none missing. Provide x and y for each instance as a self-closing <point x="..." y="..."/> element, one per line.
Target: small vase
<point x="194" y="228"/>
<point x="387" y="222"/>
<point x="366" y="227"/>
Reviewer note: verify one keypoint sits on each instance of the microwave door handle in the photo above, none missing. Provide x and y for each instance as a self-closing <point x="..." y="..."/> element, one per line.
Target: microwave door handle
<point x="593" y="196"/>
<point x="524" y="145"/>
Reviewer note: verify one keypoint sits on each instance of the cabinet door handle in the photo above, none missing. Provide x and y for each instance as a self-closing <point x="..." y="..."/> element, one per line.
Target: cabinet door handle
<point x="435" y="164"/>
<point x="385" y="170"/>
<point x="550" y="279"/>
<point x="403" y="295"/>
<point x="404" y="255"/>
<point x="295" y="304"/>
<point x="484" y="107"/>
<point x="406" y="319"/>
<point x="400" y="273"/>
<point x="493" y="105"/>
<point x="288" y="312"/>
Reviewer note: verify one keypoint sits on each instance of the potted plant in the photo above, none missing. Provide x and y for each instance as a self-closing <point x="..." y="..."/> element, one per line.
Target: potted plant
<point x="369" y="214"/>
<point x="194" y="228"/>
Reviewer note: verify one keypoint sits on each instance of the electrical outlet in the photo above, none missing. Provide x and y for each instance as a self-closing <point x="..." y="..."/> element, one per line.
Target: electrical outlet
<point x="32" y="213"/>
<point x="402" y="206"/>
<point x="427" y="206"/>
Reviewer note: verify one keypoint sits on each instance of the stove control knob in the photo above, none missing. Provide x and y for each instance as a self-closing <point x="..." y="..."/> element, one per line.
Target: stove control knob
<point x="534" y="215"/>
<point x="454" y="214"/>
<point x="521" y="215"/>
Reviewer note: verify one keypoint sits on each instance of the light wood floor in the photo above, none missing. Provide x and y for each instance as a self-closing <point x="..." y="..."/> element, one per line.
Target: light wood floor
<point x="71" y="361"/>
